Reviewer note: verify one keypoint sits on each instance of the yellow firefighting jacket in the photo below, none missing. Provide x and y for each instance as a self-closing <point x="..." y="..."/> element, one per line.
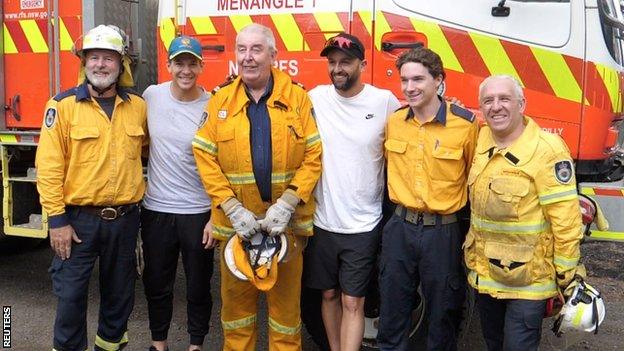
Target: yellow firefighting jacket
<point x="525" y="228"/>
<point x="85" y="158"/>
<point x="223" y="153"/>
<point x="428" y="163"/>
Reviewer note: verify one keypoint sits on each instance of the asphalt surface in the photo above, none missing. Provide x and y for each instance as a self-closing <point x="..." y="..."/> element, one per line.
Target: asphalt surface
<point x="25" y="286"/>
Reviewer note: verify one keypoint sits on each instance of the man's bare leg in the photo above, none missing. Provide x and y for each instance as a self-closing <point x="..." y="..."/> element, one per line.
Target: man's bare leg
<point x="352" y="325"/>
<point x="332" y="315"/>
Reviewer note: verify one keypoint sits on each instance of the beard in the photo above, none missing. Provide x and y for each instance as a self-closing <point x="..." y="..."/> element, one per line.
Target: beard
<point x="102" y="82"/>
<point x="346" y="84"/>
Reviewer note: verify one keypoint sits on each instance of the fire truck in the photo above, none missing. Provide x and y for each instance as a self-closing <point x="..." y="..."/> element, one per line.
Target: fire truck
<point x="568" y="56"/>
<point x="37" y="63"/>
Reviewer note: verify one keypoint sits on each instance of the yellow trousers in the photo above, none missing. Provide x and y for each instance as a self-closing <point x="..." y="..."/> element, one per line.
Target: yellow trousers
<point x="239" y="305"/>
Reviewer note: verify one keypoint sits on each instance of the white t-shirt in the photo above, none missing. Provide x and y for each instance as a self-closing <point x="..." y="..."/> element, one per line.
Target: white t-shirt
<point x="349" y="194"/>
<point x="173" y="184"/>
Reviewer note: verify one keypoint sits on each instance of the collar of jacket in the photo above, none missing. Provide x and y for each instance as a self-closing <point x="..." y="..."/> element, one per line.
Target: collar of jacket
<point x="279" y="98"/>
<point x="83" y="94"/>
<point x="440" y="115"/>
<point x="518" y="153"/>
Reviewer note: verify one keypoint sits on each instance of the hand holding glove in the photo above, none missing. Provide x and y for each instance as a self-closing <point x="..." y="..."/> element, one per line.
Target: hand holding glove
<point x="243" y="221"/>
<point x="278" y="215"/>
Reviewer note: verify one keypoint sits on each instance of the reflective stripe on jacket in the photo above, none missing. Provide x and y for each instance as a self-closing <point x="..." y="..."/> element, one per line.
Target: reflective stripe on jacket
<point x="526" y="223"/>
<point x="223" y="153"/>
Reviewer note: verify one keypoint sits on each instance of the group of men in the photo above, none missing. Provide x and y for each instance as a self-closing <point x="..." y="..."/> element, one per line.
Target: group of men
<point x="246" y="162"/>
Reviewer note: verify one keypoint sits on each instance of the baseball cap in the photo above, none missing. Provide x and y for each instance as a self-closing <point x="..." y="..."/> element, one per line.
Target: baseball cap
<point x="184" y="44"/>
<point x="346" y="43"/>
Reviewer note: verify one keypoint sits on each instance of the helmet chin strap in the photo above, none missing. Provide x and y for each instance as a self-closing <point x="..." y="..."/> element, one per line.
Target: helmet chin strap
<point x="101" y="91"/>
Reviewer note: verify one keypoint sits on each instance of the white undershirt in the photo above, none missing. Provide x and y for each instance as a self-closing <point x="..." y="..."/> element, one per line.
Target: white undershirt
<point x="350" y="192"/>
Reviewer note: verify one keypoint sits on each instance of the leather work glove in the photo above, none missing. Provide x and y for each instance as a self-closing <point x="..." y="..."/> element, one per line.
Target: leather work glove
<point x="243" y="221"/>
<point x="278" y="215"/>
<point x="579" y="276"/>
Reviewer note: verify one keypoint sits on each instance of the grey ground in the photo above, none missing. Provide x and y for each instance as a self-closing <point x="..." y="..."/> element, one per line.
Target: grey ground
<point x="25" y="286"/>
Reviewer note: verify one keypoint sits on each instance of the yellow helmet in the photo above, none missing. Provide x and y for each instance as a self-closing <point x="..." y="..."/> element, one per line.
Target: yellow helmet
<point x="256" y="260"/>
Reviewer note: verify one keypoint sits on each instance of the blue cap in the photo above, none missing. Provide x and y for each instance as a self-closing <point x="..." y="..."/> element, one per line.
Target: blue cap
<point x="184" y="44"/>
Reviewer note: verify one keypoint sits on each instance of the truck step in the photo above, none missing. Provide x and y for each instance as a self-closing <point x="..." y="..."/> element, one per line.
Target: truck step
<point x="34" y="222"/>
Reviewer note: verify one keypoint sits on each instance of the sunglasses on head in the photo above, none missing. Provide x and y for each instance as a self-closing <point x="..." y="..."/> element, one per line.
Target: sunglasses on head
<point x="340" y="42"/>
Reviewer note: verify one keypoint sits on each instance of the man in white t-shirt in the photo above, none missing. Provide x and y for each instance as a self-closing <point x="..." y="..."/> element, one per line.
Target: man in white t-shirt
<point x="351" y="117"/>
<point x="176" y="210"/>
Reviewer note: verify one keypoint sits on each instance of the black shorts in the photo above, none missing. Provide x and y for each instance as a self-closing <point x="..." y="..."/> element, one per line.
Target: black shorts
<point x="345" y="261"/>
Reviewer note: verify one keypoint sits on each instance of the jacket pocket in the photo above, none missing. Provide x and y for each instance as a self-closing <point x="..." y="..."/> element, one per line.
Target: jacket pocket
<point x="510" y="264"/>
<point x="504" y="198"/>
<point x="85" y="143"/>
<point x="226" y="145"/>
<point x="469" y="250"/>
<point x="135" y="136"/>
<point x="398" y="164"/>
<point x="447" y="163"/>
<point x="397" y="146"/>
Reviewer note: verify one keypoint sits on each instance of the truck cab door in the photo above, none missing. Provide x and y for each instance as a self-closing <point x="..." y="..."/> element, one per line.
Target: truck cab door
<point x="473" y="44"/>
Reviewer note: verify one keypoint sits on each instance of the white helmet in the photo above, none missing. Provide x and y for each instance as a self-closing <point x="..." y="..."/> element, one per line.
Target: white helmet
<point x="256" y="260"/>
<point x="584" y="310"/>
<point x="107" y="37"/>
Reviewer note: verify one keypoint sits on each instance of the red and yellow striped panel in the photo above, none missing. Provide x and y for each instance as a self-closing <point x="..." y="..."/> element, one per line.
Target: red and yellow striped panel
<point x="537" y="69"/>
<point x="31" y="35"/>
<point x="602" y="191"/>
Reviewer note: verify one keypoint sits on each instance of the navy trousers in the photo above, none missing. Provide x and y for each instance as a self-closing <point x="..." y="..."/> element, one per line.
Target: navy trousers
<point x="114" y="243"/>
<point x="511" y="325"/>
<point x="430" y="256"/>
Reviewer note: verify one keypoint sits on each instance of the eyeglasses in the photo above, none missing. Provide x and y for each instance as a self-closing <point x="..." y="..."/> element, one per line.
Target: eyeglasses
<point x="340" y="42"/>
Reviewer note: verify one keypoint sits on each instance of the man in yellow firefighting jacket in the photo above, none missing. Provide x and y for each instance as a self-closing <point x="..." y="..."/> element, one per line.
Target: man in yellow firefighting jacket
<point x="90" y="179"/>
<point x="259" y="157"/>
<point x="523" y="243"/>
<point x="429" y="147"/>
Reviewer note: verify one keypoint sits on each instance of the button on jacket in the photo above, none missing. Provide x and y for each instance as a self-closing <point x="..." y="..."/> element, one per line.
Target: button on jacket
<point x="428" y="163"/>
<point x="223" y="152"/>
<point x="85" y="158"/>
<point x="526" y="224"/>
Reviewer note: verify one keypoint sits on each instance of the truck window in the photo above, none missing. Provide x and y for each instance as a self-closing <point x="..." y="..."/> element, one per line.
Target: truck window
<point x="612" y="23"/>
<point x="549" y="21"/>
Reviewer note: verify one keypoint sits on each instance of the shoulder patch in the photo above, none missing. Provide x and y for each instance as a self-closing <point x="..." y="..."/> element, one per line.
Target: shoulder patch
<point x="563" y="171"/>
<point x="402" y="108"/>
<point x="463" y="113"/>
<point x="49" y="119"/>
<point x="227" y="82"/>
<point x="67" y="93"/>
<point x="299" y="85"/>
